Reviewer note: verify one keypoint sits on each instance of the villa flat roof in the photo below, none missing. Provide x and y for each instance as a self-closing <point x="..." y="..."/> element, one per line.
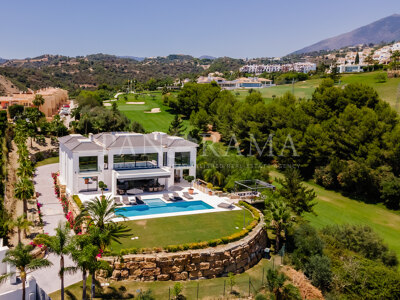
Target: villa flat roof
<point x="118" y="140"/>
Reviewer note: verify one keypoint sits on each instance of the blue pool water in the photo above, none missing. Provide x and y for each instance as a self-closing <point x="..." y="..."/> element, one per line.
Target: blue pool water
<point x="157" y="206"/>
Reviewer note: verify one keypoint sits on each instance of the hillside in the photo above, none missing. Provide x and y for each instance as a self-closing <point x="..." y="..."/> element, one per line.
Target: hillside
<point x="73" y="73"/>
<point x="7" y="87"/>
<point x="383" y="30"/>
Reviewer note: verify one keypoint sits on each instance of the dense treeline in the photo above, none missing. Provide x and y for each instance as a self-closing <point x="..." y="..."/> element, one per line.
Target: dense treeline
<point x="92" y="117"/>
<point x="347" y="139"/>
<point x="346" y="261"/>
<point x="3" y="172"/>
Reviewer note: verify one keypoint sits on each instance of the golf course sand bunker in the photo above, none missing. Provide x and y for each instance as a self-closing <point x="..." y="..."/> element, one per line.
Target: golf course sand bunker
<point x="153" y="111"/>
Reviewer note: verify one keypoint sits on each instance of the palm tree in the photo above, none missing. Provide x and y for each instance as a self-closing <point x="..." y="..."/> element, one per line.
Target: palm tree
<point x="60" y="245"/>
<point x="100" y="211"/>
<point x="213" y="175"/>
<point x="38" y="101"/>
<point x="85" y="255"/>
<point x="276" y="282"/>
<point x="21" y="223"/>
<point x="24" y="190"/>
<point x="278" y="215"/>
<point x="23" y="260"/>
<point x="25" y="168"/>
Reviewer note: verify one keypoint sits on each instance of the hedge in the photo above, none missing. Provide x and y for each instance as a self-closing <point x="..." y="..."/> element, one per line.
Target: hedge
<point x="199" y="245"/>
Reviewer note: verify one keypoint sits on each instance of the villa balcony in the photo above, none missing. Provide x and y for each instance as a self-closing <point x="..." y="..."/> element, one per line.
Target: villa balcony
<point x="135" y="165"/>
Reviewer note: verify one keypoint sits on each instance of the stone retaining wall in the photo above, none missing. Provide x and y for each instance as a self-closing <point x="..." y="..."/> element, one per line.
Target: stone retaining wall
<point x="235" y="257"/>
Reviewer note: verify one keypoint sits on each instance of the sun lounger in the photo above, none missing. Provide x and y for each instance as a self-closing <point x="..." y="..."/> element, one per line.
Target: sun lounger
<point x="139" y="200"/>
<point x="175" y="194"/>
<point x="125" y="200"/>
<point x="187" y="195"/>
<point x="117" y="201"/>
<point x="175" y="198"/>
<point x="226" y="205"/>
<point x="166" y="197"/>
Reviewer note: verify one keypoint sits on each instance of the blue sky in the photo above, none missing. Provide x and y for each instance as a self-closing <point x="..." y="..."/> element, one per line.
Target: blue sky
<point x="251" y="28"/>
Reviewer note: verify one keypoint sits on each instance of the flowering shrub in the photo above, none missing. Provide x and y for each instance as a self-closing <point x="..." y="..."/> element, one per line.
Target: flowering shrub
<point x="64" y="203"/>
<point x="99" y="255"/>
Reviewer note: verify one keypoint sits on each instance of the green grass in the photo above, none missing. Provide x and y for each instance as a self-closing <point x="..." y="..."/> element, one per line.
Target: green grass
<point x="47" y="161"/>
<point x="208" y="289"/>
<point x="150" y="122"/>
<point x="161" y="232"/>
<point x="334" y="208"/>
<point x="302" y="89"/>
<point x="387" y="90"/>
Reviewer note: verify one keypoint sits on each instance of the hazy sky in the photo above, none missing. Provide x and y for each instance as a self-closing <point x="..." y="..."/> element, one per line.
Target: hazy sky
<point x="251" y="28"/>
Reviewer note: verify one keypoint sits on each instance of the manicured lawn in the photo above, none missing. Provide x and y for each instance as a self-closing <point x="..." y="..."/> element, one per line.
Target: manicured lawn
<point x="150" y="121"/>
<point x="302" y="89"/>
<point x="161" y="232"/>
<point x="388" y="91"/>
<point x="47" y="161"/>
<point x="208" y="289"/>
<point x="334" y="208"/>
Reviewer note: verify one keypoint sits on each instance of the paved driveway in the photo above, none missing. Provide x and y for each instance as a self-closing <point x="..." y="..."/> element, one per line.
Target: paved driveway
<point x="52" y="212"/>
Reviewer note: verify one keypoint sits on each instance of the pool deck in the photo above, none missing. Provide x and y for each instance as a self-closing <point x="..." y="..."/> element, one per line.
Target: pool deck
<point x="213" y="201"/>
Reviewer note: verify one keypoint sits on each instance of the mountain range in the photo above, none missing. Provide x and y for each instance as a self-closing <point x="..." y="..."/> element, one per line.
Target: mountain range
<point x="384" y="30"/>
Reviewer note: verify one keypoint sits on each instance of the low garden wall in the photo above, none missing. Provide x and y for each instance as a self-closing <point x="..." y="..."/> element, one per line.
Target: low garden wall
<point x="234" y="257"/>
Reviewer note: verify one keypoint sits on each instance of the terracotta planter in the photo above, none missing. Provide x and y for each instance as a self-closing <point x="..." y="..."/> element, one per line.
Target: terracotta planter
<point x="210" y="193"/>
<point x="86" y="180"/>
<point x="191" y="191"/>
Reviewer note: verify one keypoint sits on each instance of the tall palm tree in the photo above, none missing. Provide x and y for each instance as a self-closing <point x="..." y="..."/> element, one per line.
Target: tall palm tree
<point x="38" y="101"/>
<point x="278" y="216"/>
<point x="85" y="255"/>
<point x="60" y="245"/>
<point x="24" y="190"/>
<point x="23" y="260"/>
<point x="21" y="223"/>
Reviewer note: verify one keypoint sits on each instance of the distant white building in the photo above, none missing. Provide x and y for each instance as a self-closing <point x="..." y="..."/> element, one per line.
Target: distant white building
<point x="124" y="160"/>
<point x="243" y="82"/>
<point x="304" y="67"/>
<point x="350" y="68"/>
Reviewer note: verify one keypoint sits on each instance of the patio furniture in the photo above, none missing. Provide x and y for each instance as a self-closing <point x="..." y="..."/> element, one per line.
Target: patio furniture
<point x="175" y="197"/>
<point x="226" y="205"/>
<point x="134" y="191"/>
<point x="125" y="200"/>
<point x="166" y="197"/>
<point x="187" y="195"/>
<point x="117" y="201"/>
<point x="139" y="200"/>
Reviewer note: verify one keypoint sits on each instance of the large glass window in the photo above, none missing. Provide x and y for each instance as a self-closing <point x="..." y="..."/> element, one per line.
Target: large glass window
<point x="87" y="163"/>
<point x="182" y="159"/>
<point x="136" y="161"/>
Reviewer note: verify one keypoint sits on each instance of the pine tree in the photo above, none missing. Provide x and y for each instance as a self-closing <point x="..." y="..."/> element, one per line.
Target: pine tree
<point x="176" y="128"/>
<point x="357" y="61"/>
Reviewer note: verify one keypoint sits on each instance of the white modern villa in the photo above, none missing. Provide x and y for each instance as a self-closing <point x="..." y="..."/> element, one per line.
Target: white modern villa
<point x="124" y="161"/>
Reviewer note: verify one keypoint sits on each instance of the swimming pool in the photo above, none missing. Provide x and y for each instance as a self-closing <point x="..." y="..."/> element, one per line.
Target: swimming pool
<point x="157" y="206"/>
